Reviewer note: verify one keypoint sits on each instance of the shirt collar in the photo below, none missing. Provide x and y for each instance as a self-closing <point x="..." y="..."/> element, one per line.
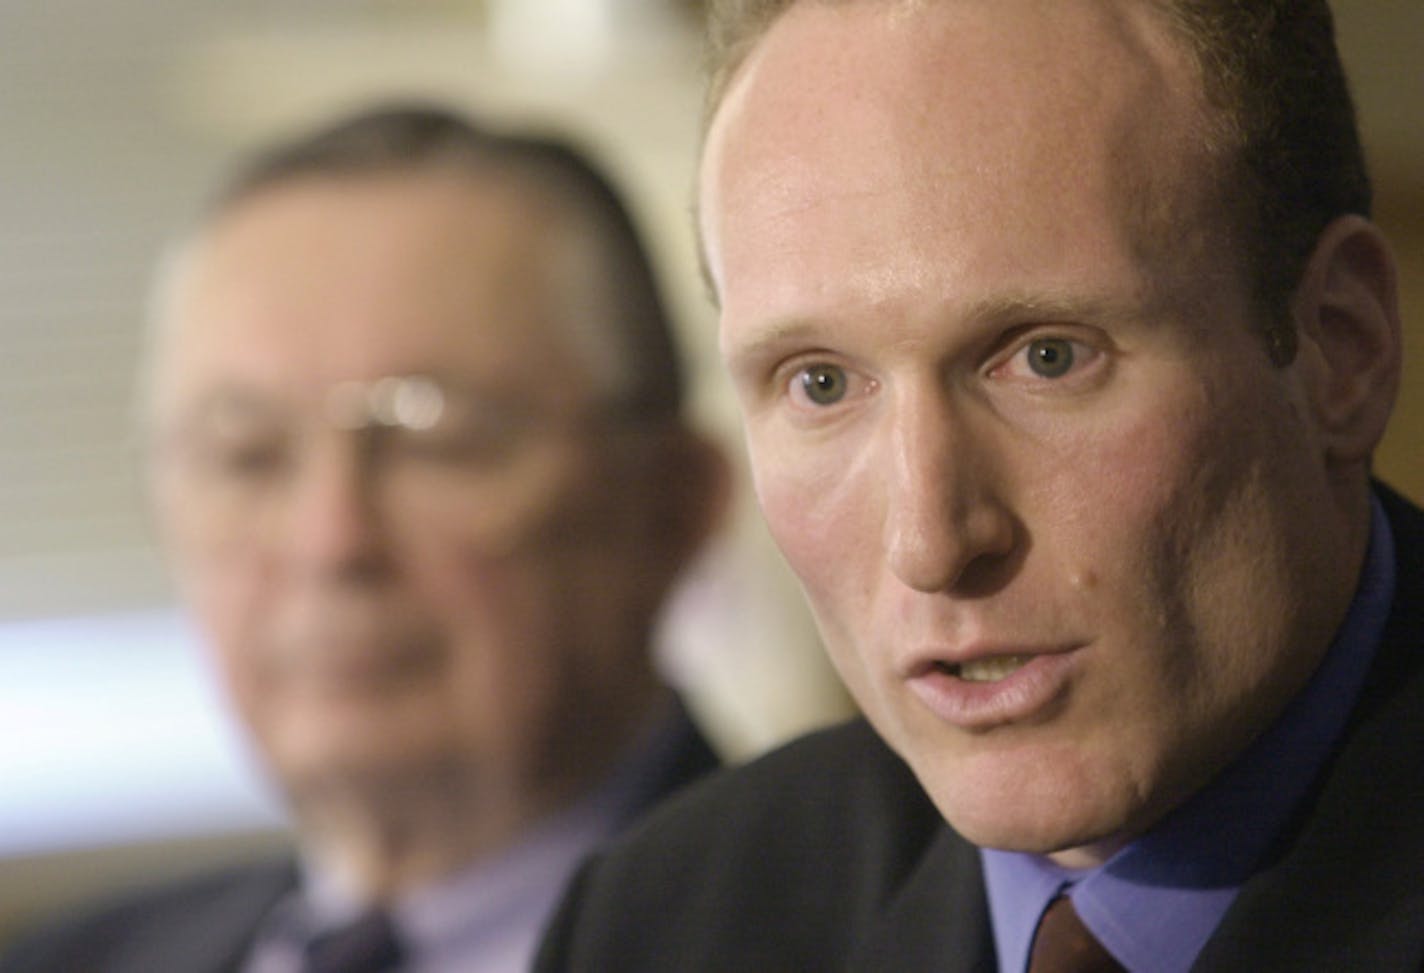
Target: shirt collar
<point x="1157" y="901"/>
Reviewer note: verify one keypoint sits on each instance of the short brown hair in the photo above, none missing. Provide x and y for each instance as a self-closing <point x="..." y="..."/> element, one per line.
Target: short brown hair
<point x="1270" y="70"/>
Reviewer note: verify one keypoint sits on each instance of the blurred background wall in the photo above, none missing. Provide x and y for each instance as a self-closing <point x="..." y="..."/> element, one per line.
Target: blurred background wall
<point x="115" y="756"/>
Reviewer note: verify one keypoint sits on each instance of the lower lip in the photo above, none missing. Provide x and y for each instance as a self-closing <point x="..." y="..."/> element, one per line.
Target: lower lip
<point x="1022" y="695"/>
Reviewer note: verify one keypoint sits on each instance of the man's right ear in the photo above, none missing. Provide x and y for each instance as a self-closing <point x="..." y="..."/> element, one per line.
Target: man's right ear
<point x="1347" y="312"/>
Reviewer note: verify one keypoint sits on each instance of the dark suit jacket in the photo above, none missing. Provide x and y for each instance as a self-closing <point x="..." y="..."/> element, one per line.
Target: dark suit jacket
<point x="207" y="924"/>
<point x="827" y="855"/>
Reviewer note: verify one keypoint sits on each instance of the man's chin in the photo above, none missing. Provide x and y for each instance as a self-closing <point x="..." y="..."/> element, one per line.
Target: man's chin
<point x="362" y="758"/>
<point x="1071" y="843"/>
<point x="1031" y="810"/>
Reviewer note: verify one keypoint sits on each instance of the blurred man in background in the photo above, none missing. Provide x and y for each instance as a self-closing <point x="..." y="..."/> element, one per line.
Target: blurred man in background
<point x="419" y="460"/>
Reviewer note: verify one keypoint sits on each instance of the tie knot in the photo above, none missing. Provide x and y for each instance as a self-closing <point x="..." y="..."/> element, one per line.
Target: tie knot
<point x="1063" y="944"/>
<point x="367" y="944"/>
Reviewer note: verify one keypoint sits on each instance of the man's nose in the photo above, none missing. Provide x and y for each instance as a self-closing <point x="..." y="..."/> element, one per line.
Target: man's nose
<point x="947" y="523"/>
<point x="334" y="524"/>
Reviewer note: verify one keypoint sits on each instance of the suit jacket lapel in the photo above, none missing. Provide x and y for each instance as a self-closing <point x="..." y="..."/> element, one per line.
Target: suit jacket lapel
<point x="939" y="921"/>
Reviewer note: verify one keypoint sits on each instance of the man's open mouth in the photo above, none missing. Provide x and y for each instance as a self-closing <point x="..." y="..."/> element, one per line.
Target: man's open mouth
<point x="985" y="670"/>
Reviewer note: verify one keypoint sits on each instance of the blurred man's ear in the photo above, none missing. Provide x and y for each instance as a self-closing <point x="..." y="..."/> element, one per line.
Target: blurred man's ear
<point x="1347" y="311"/>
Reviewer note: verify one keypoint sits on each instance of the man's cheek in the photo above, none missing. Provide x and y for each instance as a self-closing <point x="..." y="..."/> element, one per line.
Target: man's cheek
<point x="816" y="539"/>
<point x="803" y="506"/>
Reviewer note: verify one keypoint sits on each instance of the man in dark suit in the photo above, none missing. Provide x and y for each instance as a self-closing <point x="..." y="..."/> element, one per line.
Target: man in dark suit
<point x="1063" y="340"/>
<point x="419" y="457"/>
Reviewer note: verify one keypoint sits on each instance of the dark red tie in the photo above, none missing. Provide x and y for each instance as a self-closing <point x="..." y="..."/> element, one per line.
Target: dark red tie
<point x="367" y="945"/>
<point x="1063" y="944"/>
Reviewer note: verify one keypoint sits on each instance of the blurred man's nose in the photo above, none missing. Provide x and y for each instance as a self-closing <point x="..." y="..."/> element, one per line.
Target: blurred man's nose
<point x="945" y="522"/>
<point x="334" y="524"/>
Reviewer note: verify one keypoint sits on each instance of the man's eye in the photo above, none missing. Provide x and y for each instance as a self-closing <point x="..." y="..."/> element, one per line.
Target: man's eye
<point x="822" y="384"/>
<point x="1050" y="357"/>
<point x="243" y="461"/>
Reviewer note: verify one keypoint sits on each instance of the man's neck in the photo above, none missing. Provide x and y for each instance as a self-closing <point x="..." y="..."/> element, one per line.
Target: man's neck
<point x="381" y="835"/>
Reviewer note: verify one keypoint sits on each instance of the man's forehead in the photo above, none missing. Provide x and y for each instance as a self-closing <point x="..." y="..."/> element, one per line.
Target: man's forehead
<point x="1005" y="59"/>
<point x="949" y="94"/>
<point x="333" y="280"/>
<point x="392" y="219"/>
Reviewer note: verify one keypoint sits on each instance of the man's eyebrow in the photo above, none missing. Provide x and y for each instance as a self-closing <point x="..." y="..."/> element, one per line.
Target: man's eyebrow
<point x="1006" y="309"/>
<point x="229" y="398"/>
<point x="218" y="406"/>
<point x="770" y="343"/>
<point x="1045" y="309"/>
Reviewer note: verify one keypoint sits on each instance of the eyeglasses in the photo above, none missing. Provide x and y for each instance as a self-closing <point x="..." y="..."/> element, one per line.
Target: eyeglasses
<point x="430" y="450"/>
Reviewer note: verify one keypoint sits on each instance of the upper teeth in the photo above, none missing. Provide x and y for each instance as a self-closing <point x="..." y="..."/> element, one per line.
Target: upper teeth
<point x="993" y="669"/>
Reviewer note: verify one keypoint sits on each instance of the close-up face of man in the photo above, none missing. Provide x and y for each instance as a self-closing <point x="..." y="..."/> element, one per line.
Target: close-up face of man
<point x="395" y="489"/>
<point x="1065" y="526"/>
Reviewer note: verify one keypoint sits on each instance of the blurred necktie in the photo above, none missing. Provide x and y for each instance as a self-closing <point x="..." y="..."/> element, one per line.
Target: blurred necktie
<point x="1063" y="944"/>
<point x="367" y="945"/>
